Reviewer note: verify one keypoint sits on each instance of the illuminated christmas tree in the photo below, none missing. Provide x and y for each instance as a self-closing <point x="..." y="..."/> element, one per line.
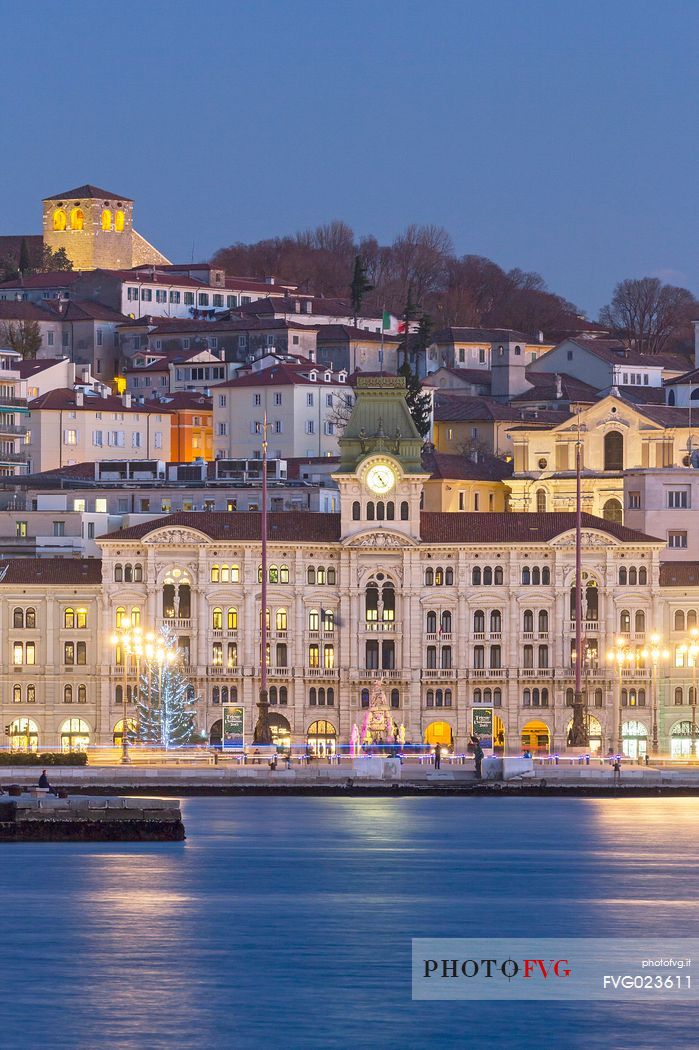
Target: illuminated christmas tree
<point x="167" y="701"/>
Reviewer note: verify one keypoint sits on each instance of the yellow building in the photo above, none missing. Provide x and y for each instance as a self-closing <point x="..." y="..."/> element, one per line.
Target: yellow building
<point x="473" y="482"/>
<point x="615" y="437"/>
<point x="95" y="228"/>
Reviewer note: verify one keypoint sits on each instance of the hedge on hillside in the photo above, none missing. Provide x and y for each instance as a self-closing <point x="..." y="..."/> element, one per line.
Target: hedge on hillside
<point x="47" y="758"/>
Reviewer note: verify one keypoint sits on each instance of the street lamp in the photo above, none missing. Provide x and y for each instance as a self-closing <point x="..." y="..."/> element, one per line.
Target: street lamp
<point x="656" y="653"/>
<point x="691" y="649"/>
<point x="129" y="640"/>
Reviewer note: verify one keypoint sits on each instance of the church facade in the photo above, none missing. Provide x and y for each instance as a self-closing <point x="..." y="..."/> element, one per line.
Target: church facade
<point x="464" y="620"/>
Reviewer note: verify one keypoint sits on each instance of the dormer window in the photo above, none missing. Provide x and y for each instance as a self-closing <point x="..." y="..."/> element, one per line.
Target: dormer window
<point x="328" y="377"/>
<point x="313" y="376"/>
<point x="341" y="378"/>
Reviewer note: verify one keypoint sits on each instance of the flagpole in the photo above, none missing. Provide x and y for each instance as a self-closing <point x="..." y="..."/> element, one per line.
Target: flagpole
<point x="578" y="736"/>
<point x="263" y="731"/>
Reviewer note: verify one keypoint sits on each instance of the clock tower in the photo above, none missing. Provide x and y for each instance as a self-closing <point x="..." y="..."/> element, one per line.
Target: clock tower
<point x="380" y="475"/>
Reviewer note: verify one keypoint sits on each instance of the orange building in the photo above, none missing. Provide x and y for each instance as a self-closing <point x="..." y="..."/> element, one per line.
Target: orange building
<point x="192" y="426"/>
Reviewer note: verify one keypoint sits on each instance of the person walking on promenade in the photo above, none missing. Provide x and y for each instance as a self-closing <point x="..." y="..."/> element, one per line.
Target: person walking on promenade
<point x="477" y="754"/>
<point x="437" y="757"/>
<point x="616" y="771"/>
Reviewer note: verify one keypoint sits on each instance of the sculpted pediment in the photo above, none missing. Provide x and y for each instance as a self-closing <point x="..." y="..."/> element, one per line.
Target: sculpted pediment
<point x="175" y="537"/>
<point x="589" y="538"/>
<point x="381" y="540"/>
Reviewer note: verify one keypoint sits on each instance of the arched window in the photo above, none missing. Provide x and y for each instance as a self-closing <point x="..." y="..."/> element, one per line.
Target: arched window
<point x="487" y="576"/>
<point x="624" y="621"/>
<point x="215" y="695"/>
<point x="691" y="619"/>
<point x="332" y="576"/>
<point x="445" y="625"/>
<point x="135" y="616"/>
<point x="232" y="620"/>
<point x="497" y="697"/>
<point x="599" y="698"/>
<point x="479" y="656"/>
<point x="364" y="698"/>
<point x="138" y="573"/>
<point x="69" y="618"/>
<point x="273" y="574"/>
<point x="128" y="574"/>
<point x="217" y="619"/>
<point x="356" y="510"/>
<point x="679" y="620"/>
<point x="320" y="575"/>
<point x="283" y="694"/>
<point x="640" y="622"/>
<point x="612" y="511"/>
<point x="477" y="696"/>
<point x="18" y="618"/>
<point x="224" y="694"/>
<point x="543" y="622"/>
<point x="60" y="219"/>
<point x="215" y="573"/>
<point x="77" y="219"/>
<point x="404" y="510"/>
<point x="678" y="695"/>
<point x="527" y="698"/>
<point x="118" y="573"/>
<point x="280" y="620"/>
<point x="118" y="220"/>
<point x="528" y="621"/>
<point x="67" y="694"/>
<point x="623" y="576"/>
<point x="498" y="578"/>
<point x="643" y="576"/>
<point x="432" y="622"/>
<point x="671" y="397"/>
<point x="478" y="622"/>
<point x="311" y="575"/>
<point x="429" y="577"/>
<point x="82" y="694"/>
<point x="106" y="219"/>
<point x="380" y="511"/>
<point x="449" y="576"/>
<point x="633" y="577"/>
<point x="546" y="575"/>
<point x="283" y="573"/>
<point x="395" y="697"/>
<point x="439" y="577"/>
<point x="536" y="575"/>
<point x="613" y="450"/>
<point x="526" y="575"/>
<point x="370" y="511"/>
<point x="540" y="501"/>
<point x="495" y="621"/>
<point x="476" y="576"/>
<point x="313" y="620"/>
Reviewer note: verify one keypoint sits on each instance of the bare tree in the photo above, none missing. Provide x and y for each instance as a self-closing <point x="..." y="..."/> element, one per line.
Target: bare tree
<point x="341" y="410"/>
<point x="22" y="336"/>
<point x="648" y="313"/>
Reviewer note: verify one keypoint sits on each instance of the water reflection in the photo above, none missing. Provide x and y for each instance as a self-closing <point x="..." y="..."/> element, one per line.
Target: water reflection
<point x="286" y="922"/>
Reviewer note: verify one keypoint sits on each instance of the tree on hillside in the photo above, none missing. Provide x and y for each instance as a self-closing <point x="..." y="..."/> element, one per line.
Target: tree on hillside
<point x="359" y="287"/>
<point x="24" y="263"/>
<point x="411" y="311"/>
<point x="418" y="402"/>
<point x="22" y="336"/>
<point x="648" y="313"/>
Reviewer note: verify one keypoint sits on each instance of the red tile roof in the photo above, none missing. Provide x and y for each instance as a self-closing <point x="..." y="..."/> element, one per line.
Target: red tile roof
<point x="445" y="527"/>
<point x="282" y="374"/>
<point x="63" y="399"/>
<point x="32" y="367"/>
<point x="452" y="407"/>
<point x="679" y="574"/>
<point x="435" y="527"/>
<point x="89" y="192"/>
<point x="14" y="311"/>
<point x="485" y="467"/>
<point x="52" y="279"/>
<point x="49" y="571"/>
<point x="348" y="333"/>
<point x="284" y="526"/>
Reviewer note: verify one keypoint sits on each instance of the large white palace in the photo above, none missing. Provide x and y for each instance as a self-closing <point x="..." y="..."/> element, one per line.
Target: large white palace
<point x="464" y="618"/>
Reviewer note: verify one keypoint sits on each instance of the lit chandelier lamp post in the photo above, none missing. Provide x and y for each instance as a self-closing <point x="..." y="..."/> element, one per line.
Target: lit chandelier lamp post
<point x="657" y="655"/>
<point x="129" y="641"/>
<point x="622" y="655"/>
<point x="578" y="735"/>
<point x="691" y="650"/>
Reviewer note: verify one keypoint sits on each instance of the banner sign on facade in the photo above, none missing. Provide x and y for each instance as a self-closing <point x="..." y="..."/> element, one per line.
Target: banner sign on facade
<point x="483" y="725"/>
<point x="233" y="727"/>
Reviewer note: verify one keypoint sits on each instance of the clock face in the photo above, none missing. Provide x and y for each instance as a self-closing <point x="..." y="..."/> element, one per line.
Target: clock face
<point x="380" y="479"/>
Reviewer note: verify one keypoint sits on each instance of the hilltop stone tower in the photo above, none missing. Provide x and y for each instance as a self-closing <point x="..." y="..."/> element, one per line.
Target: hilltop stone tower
<point x="95" y="227"/>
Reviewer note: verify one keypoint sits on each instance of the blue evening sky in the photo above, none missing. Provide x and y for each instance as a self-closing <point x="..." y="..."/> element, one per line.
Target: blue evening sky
<point x="555" y="136"/>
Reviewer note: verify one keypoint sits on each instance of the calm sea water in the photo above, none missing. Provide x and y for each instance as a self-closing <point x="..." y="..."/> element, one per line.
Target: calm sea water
<point x="286" y="922"/>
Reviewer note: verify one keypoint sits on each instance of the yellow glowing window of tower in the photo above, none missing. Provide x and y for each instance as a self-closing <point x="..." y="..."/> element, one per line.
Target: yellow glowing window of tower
<point x="119" y="221"/>
<point x="106" y="219"/>
<point x="77" y="219"/>
<point x="59" y="219"/>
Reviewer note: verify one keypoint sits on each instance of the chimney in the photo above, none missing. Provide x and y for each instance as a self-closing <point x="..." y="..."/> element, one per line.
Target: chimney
<point x="126" y="400"/>
<point x="559" y="386"/>
<point x="541" y="336"/>
<point x="269" y="280"/>
<point x="79" y="399"/>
